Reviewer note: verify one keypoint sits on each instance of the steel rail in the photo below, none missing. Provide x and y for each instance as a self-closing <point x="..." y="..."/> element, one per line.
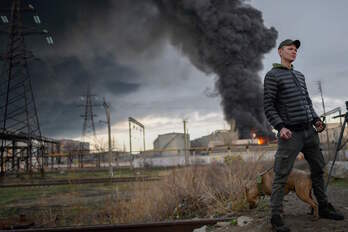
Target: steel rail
<point x="82" y="181"/>
<point x="168" y="226"/>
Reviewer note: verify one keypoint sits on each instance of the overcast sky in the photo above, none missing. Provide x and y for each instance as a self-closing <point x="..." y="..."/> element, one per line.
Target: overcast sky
<point x="320" y="26"/>
<point x="143" y="75"/>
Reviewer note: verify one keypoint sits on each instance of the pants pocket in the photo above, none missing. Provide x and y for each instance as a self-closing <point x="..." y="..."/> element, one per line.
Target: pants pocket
<point x="282" y="165"/>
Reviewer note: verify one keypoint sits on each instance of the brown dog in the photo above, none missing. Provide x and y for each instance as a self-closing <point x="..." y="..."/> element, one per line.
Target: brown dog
<point x="298" y="181"/>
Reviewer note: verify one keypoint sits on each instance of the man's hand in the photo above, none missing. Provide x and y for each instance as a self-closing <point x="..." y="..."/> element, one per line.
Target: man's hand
<point x="319" y="126"/>
<point x="300" y="156"/>
<point x="285" y="133"/>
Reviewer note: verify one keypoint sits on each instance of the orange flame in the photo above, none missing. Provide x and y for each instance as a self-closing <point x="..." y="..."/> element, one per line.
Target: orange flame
<point x="261" y="140"/>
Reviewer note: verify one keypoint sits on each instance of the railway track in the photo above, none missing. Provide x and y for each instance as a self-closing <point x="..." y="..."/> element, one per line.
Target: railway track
<point x="81" y="181"/>
<point x="172" y="226"/>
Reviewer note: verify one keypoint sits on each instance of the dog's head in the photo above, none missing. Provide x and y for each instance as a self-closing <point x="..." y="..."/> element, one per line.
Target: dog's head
<point x="252" y="196"/>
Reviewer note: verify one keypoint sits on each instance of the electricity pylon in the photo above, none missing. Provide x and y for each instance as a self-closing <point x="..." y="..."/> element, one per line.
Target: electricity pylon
<point x="88" y="117"/>
<point x="21" y="141"/>
<point x="88" y="124"/>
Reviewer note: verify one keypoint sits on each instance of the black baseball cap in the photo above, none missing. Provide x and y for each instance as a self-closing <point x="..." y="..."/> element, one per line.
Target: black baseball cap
<point x="288" y="42"/>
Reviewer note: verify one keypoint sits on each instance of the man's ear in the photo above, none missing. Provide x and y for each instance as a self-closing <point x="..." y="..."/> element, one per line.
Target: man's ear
<point x="280" y="52"/>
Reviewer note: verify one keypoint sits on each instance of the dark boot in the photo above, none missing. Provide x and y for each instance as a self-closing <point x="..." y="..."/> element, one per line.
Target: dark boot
<point x="278" y="225"/>
<point x="329" y="212"/>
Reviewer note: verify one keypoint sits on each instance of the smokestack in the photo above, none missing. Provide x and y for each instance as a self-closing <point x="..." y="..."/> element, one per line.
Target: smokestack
<point x="226" y="37"/>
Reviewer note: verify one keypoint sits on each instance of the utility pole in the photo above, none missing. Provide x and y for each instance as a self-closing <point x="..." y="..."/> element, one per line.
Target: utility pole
<point x="20" y="131"/>
<point x="326" y="129"/>
<point x="107" y="112"/>
<point x="185" y="143"/>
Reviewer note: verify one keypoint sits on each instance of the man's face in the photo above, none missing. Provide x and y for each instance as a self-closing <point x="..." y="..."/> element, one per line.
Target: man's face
<point x="288" y="53"/>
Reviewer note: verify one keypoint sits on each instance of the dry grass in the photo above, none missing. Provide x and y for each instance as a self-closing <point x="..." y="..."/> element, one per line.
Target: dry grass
<point x="196" y="191"/>
<point x="190" y="192"/>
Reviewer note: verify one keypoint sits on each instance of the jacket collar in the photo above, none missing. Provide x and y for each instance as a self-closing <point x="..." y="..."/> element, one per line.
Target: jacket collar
<point x="277" y="65"/>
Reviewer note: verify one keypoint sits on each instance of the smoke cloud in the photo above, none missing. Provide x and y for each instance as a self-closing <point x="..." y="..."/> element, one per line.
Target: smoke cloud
<point x="117" y="46"/>
<point x="229" y="39"/>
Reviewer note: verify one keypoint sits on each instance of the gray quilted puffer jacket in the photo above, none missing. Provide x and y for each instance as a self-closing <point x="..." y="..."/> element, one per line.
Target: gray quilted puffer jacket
<point x="286" y="99"/>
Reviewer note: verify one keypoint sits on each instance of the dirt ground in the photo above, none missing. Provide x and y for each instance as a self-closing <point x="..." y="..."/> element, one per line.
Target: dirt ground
<point x="296" y="215"/>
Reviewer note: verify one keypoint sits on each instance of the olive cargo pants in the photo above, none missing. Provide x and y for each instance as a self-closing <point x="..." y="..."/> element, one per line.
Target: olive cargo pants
<point x="307" y="142"/>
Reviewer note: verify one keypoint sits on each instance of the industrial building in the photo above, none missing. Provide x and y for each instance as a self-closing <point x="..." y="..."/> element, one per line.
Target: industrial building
<point x="217" y="138"/>
<point x="172" y="143"/>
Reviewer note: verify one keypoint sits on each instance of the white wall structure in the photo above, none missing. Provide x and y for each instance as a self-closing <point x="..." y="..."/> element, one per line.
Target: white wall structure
<point x="171" y="143"/>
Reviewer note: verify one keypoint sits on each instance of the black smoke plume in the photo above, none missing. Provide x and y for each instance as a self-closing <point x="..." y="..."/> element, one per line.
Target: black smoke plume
<point x="105" y="42"/>
<point x="226" y="37"/>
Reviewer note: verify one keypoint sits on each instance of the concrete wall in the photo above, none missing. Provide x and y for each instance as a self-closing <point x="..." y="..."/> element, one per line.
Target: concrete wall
<point x="171" y="142"/>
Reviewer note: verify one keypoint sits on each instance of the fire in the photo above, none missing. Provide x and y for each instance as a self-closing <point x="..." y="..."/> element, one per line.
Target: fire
<point x="261" y="140"/>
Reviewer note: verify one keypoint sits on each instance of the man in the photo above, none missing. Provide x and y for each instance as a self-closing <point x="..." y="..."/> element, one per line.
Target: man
<point x="289" y="110"/>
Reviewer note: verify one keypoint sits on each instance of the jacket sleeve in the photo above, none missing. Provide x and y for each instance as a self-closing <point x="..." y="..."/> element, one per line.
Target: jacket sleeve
<point x="314" y="114"/>
<point x="269" y="100"/>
